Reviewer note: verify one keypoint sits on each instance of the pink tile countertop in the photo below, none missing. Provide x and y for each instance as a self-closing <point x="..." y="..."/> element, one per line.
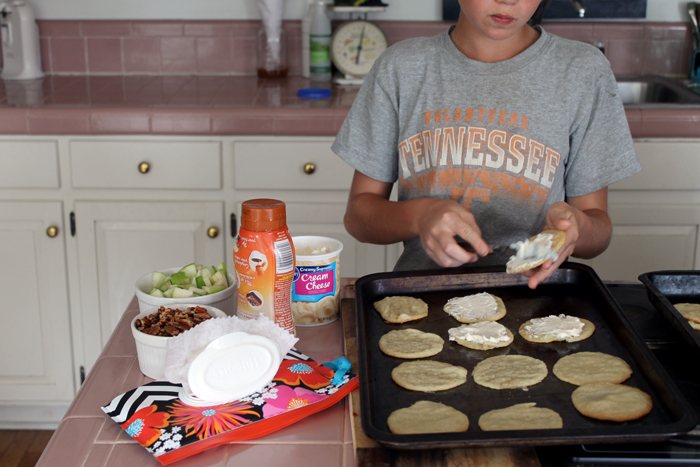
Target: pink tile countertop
<point x="219" y="105"/>
<point x="87" y="437"/>
<point x="169" y="104"/>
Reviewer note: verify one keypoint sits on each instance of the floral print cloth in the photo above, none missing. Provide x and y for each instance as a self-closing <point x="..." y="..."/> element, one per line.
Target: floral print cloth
<point x="156" y="418"/>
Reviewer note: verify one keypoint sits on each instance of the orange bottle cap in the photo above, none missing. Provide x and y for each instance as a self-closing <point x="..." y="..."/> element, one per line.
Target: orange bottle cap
<point x="263" y="215"/>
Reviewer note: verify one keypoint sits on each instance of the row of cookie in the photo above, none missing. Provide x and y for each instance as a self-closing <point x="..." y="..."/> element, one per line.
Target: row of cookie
<point x="479" y="313"/>
<point x="434" y="417"/>
<point x="600" y="394"/>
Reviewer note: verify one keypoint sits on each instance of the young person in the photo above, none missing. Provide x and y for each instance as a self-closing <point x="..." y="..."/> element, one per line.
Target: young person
<point x="494" y="131"/>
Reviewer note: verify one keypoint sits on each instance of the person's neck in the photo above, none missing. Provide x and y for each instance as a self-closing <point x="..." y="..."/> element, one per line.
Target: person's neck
<point x="483" y="49"/>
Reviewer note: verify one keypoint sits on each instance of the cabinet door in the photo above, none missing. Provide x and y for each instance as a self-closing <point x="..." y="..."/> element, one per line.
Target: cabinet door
<point x="35" y="339"/>
<point x="118" y="242"/>
<point x="636" y="249"/>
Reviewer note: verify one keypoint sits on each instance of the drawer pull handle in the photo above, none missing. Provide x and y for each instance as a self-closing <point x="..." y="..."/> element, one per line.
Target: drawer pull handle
<point x="212" y="232"/>
<point x="52" y="231"/>
<point x="144" y="167"/>
<point x="309" y="168"/>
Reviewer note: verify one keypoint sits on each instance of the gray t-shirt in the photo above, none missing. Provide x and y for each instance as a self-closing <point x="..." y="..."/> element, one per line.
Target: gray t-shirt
<point x="505" y="139"/>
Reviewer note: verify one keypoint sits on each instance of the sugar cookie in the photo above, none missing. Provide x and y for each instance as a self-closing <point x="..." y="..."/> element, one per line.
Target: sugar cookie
<point x="428" y="375"/>
<point x="509" y="372"/>
<point x="427" y="417"/>
<point x="520" y="417"/>
<point x="410" y="343"/>
<point x="476" y="307"/>
<point x="484" y="335"/>
<point x="613" y="402"/>
<point x="400" y="309"/>
<point x="556" y="328"/>
<point x="545" y="245"/>
<point x="591" y="367"/>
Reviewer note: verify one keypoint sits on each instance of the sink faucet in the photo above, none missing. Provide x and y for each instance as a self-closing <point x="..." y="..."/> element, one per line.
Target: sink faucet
<point x="578" y="4"/>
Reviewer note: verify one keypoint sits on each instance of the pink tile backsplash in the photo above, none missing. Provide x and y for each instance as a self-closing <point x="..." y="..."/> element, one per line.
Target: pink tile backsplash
<point x="199" y="77"/>
<point x="228" y="47"/>
<point x="105" y="55"/>
<point x="68" y="55"/>
<point x="141" y="55"/>
<point x="177" y="54"/>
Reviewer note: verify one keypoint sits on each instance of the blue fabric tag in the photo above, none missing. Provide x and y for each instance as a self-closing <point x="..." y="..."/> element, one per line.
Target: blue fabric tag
<point x="341" y="367"/>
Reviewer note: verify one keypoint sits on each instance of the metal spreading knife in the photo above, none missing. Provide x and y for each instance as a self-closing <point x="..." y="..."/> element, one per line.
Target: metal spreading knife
<point x="494" y="248"/>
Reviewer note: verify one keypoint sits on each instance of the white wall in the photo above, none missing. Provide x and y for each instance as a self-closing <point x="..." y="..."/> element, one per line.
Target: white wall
<point x="405" y="10"/>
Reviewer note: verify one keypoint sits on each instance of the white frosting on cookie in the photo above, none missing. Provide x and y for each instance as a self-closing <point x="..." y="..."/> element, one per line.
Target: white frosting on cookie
<point x="483" y="332"/>
<point x="561" y="327"/>
<point x="477" y="306"/>
<point x="530" y="251"/>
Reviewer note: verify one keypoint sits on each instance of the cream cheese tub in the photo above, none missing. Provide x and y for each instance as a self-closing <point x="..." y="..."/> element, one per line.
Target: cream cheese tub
<point x="316" y="289"/>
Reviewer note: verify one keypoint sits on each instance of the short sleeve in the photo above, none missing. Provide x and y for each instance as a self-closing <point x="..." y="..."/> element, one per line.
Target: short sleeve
<point x="368" y="138"/>
<point x="601" y="147"/>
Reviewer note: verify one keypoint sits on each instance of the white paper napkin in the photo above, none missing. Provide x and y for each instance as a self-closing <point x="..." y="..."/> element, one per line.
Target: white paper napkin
<point x="181" y="350"/>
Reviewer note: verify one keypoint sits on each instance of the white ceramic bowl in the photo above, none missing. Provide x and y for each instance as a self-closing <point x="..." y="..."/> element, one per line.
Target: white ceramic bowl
<point x="224" y="300"/>
<point x="151" y="349"/>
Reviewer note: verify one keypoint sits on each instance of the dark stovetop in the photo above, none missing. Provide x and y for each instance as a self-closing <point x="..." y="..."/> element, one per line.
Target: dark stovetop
<point x="676" y="356"/>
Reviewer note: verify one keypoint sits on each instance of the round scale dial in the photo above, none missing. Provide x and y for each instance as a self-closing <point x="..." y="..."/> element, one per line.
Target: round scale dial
<point x="355" y="46"/>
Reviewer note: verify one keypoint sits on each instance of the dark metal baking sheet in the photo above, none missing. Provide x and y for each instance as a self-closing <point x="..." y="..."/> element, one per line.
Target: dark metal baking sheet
<point x="665" y="289"/>
<point x="574" y="289"/>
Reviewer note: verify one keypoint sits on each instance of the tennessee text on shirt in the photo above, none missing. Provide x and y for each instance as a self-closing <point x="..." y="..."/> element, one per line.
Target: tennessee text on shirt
<point x="476" y="161"/>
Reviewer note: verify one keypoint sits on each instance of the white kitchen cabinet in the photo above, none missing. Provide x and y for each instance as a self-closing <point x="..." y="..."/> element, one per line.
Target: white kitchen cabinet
<point x="131" y="205"/>
<point x="314" y="184"/>
<point x="118" y="242"/>
<point x="19" y="160"/>
<point x="655" y="214"/>
<point x="159" y="164"/>
<point x="289" y="164"/>
<point x="36" y="378"/>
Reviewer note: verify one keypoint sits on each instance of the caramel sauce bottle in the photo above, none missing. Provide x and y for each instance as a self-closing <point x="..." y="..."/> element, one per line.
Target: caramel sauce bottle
<point x="264" y="262"/>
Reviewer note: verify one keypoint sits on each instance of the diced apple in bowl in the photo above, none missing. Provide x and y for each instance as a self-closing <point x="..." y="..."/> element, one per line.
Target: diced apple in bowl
<point x="193" y="280"/>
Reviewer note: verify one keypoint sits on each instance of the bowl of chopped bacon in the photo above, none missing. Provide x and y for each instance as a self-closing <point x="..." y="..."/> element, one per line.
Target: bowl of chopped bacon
<point x="153" y="328"/>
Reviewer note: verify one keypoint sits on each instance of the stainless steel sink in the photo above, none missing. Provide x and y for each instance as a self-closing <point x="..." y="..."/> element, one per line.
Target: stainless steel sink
<point x="650" y="89"/>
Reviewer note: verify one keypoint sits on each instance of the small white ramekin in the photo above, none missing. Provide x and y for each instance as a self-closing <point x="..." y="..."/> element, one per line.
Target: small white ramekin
<point x="151" y="349"/>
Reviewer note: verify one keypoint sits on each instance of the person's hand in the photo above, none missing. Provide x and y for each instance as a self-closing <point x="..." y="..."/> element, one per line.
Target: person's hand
<point x="440" y="221"/>
<point x="560" y="216"/>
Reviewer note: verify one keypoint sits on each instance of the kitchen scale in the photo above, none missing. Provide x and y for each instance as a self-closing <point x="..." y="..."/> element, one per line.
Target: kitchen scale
<point x="357" y="43"/>
<point x="676" y="356"/>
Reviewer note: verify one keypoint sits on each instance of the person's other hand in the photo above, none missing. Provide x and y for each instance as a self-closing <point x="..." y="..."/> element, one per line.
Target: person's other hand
<point x="560" y="216"/>
<point x="441" y="220"/>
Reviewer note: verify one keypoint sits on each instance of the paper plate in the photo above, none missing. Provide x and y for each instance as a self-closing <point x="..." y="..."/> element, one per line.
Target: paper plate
<point x="231" y="367"/>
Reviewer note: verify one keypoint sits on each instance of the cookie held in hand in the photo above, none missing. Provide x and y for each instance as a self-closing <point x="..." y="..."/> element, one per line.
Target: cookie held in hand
<point x="534" y="251"/>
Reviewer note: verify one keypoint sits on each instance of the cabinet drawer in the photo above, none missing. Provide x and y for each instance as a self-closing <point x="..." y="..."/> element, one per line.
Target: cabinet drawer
<point x="146" y="164"/>
<point x="29" y="164"/>
<point x="666" y="165"/>
<point x="281" y="165"/>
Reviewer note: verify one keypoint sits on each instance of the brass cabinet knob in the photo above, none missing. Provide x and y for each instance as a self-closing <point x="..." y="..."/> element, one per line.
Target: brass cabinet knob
<point x="309" y="168"/>
<point x="144" y="167"/>
<point x="52" y="231"/>
<point x="213" y="232"/>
